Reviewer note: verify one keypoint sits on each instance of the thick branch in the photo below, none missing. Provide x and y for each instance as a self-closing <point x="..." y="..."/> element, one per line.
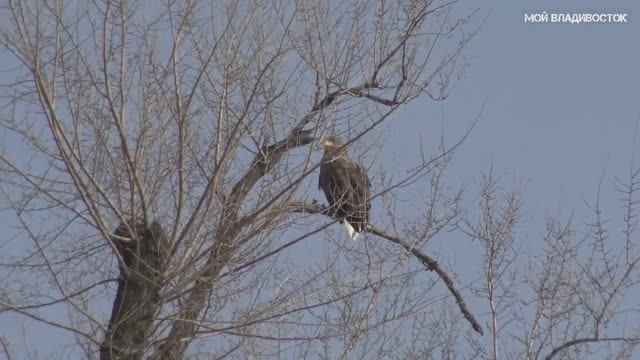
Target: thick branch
<point x="184" y="328"/>
<point x="266" y="159"/>
<point x="138" y="297"/>
<point x="429" y="263"/>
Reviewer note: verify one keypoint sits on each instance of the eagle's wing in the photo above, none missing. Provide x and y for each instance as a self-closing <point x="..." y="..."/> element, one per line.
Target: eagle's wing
<point x="359" y="181"/>
<point x="324" y="182"/>
<point x="360" y="199"/>
<point x="334" y="182"/>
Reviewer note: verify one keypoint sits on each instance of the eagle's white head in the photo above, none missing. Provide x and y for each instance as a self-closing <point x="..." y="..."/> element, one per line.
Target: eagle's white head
<point x="334" y="145"/>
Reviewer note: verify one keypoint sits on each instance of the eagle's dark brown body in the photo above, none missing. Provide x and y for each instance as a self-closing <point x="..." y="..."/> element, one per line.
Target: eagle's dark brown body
<point x="346" y="185"/>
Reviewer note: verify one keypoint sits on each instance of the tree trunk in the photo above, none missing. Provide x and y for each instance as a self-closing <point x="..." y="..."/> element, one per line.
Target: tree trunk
<point x="138" y="296"/>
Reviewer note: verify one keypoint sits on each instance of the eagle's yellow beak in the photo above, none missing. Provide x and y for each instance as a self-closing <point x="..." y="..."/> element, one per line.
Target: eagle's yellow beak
<point x="327" y="142"/>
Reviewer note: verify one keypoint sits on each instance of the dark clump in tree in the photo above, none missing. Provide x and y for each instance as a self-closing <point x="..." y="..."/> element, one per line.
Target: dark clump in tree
<point x="142" y="250"/>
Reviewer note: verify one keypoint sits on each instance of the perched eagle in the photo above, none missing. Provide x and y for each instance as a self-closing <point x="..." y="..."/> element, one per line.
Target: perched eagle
<point x="346" y="185"/>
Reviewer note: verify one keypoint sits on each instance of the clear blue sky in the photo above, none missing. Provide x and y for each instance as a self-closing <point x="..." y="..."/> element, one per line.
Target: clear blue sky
<point x="561" y="107"/>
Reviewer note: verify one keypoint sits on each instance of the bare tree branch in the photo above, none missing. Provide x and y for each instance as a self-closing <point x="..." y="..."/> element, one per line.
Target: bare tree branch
<point x="429" y="263"/>
<point x="559" y="349"/>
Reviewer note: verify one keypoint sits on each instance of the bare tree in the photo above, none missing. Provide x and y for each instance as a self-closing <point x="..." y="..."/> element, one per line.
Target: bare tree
<point x="157" y="159"/>
<point x="585" y="287"/>
<point x="495" y="229"/>
<point x="574" y="296"/>
<point x="192" y="128"/>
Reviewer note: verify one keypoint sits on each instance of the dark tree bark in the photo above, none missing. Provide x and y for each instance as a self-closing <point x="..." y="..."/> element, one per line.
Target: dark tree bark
<point x="139" y="284"/>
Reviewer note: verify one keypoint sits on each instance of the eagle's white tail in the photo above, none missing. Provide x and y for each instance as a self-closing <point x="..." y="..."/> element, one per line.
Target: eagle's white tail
<point x="353" y="234"/>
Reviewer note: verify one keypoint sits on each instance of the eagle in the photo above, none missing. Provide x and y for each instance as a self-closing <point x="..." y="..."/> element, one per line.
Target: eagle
<point x="346" y="185"/>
